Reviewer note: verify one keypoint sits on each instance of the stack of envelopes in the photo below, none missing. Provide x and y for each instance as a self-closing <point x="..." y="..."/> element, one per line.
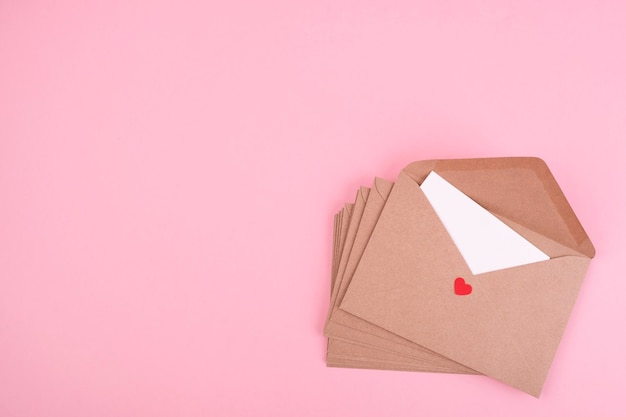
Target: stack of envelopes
<point x="467" y="266"/>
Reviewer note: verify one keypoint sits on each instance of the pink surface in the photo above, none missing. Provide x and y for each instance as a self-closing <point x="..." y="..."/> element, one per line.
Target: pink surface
<point x="169" y="171"/>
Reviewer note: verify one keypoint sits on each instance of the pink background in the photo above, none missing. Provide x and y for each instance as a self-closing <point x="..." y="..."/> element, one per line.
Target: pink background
<point x="169" y="171"/>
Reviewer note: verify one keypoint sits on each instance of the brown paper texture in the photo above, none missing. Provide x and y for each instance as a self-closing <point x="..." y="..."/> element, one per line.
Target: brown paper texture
<point x="347" y="327"/>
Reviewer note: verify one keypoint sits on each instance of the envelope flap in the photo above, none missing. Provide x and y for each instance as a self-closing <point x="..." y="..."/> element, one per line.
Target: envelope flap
<point x="382" y="187"/>
<point x="520" y="189"/>
<point x="348" y="238"/>
<point x="548" y="246"/>
<point x="409" y="240"/>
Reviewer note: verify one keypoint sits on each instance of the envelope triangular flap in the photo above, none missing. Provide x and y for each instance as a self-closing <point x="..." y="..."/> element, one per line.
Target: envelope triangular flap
<point x="408" y="241"/>
<point x="348" y="238"/>
<point x="382" y="187"/>
<point x="521" y="189"/>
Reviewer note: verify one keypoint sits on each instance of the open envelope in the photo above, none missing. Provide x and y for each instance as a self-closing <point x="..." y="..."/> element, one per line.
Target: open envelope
<point x="510" y="326"/>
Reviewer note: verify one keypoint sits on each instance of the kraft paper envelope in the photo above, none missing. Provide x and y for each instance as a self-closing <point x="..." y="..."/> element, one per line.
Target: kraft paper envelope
<point x="364" y="336"/>
<point x="348" y="239"/>
<point x="341" y="353"/>
<point x="510" y="325"/>
<point x="346" y="354"/>
<point x="341" y="221"/>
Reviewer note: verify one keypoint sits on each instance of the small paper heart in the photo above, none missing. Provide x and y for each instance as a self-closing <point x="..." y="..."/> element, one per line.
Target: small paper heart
<point x="461" y="288"/>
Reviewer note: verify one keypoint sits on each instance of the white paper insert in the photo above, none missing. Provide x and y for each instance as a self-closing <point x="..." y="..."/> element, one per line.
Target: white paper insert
<point x="483" y="240"/>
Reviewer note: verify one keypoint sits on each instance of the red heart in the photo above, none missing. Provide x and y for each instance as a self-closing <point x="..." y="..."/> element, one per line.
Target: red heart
<point x="461" y="288"/>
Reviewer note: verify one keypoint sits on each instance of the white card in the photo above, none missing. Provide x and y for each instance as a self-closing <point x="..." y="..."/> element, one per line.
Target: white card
<point x="485" y="242"/>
